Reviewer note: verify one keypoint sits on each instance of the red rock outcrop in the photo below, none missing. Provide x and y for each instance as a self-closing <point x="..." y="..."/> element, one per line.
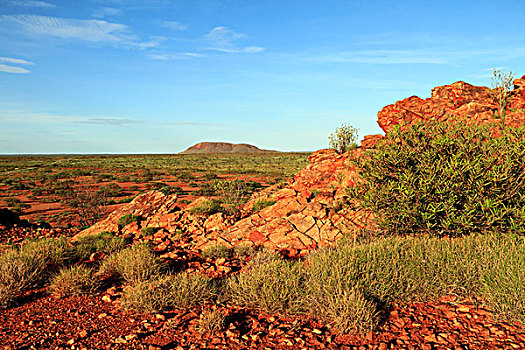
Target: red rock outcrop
<point x="459" y="100"/>
<point x="306" y="214"/>
<point x="308" y="211"/>
<point x="152" y="205"/>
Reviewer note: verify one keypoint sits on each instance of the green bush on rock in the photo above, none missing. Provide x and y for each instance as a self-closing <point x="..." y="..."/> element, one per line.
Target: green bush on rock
<point x="445" y="178"/>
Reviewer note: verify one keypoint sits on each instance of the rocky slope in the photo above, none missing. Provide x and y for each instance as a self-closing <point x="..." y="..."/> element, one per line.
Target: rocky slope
<point x="223" y="147"/>
<point x="458" y="100"/>
<point x="307" y="212"/>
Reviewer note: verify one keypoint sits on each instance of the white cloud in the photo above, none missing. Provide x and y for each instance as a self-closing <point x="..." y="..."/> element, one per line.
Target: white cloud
<point x="12" y="69"/>
<point x="381" y="57"/>
<point x="96" y="31"/>
<point x="14" y="60"/>
<point x="226" y="40"/>
<point x="107" y="12"/>
<point x="174" y="25"/>
<point x="253" y="49"/>
<point x="109" y="121"/>
<point x="175" y="56"/>
<point x="30" y="3"/>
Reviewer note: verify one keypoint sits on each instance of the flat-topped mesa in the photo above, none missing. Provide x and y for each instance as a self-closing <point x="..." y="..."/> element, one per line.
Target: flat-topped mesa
<point x="223" y="147"/>
<point x="459" y="100"/>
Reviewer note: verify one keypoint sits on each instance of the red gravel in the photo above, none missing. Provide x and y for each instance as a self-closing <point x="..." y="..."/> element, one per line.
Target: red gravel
<point x="88" y="322"/>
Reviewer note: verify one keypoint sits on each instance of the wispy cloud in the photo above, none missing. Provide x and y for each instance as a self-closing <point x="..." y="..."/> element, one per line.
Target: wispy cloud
<point x="192" y="123"/>
<point x="95" y="31"/>
<point x="107" y="12"/>
<point x="175" y="56"/>
<point x="174" y="25"/>
<point x="381" y="57"/>
<point x="7" y="68"/>
<point x="31" y="3"/>
<point x="14" y="60"/>
<point x="226" y="40"/>
<point x="109" y="121"/>
<point x="12" y="69"/>
<point x="430" y="55"/>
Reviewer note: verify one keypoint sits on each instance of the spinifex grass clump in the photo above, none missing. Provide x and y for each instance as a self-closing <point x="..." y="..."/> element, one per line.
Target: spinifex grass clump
<point x="217" y="251"/>
<point x="348" y="286"/>
<point x="270" y="284"/>
<point x="30" y="265"/>
<point x="133" y="265"/>
<point x="74" y="280"/>
<point x="261" y="204"/>
<point x="449" y="178"/>
<point x="173" y="291"/>
<point x="206" y="207"/>
<point x="104" y="241"/>
<point x="127" y="219"/>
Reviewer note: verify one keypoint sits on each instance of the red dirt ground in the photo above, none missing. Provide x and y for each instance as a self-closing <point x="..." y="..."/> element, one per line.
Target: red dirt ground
<point x="89" y="322"/>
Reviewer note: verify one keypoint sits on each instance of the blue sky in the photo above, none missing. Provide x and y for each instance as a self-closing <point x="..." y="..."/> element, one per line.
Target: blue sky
<point x="129" y="76"/>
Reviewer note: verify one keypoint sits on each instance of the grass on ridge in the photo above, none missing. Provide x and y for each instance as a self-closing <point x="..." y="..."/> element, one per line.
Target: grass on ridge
<point x="347" y="285"/>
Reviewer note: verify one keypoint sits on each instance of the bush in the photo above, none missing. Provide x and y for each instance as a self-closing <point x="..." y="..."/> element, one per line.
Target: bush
<point x="502" y="85"/>
<point x="343" y="139"/>
<point x="207" y="207"/>
<point x="261" y="204"/>
<point x="127" y="219"/>
<point x="232" y="193"/>
<point x="216" y="251"/>
<point x="147" y="231"/>
<point x="445" y="178"/>
<point x="73" y="281"/>
<point x="134" y="264"/>
<point x="179" y="291"/>
<point x="211" y="321"/>
<point x="104" y="241"/>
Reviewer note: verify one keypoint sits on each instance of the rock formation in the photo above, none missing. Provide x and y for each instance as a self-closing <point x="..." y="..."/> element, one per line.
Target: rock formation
<point x="459" y="100"/>
<point x="308" y="211"/>
<point x="223" y="147"/>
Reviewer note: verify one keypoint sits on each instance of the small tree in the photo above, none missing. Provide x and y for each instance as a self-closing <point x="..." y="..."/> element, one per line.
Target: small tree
<point x="232" y="193"/>
<point x="89" y="204"/>
<point x="501" y="88"/>
<point x="343" y="139"/>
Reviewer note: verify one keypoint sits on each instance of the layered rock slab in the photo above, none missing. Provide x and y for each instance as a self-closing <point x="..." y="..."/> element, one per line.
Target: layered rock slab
<point x="460" y="100"/>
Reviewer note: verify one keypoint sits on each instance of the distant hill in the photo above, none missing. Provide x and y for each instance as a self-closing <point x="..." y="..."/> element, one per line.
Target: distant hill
<point x="223" y="147"/>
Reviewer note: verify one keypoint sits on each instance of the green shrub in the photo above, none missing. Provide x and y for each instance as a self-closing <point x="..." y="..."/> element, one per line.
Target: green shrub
<point x="261" y="204"/>
<point x="243" y="250"/>
<point x="232" y="193"/>
<point x="73" y="281"/>
<point x="179" y="291"/>
<point x="502" y="85"/>
<point x="134" y="264"/>
<point x="147" y="231"/>
<point x="211" y="321"/>
<point x="127" y="219"/>
<point x="207" y="207"/>
<point x="217" y="251"/>
<point x="104" y="241"/>
<point x="451" y="178"/>
<point x="343" y="139"/>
